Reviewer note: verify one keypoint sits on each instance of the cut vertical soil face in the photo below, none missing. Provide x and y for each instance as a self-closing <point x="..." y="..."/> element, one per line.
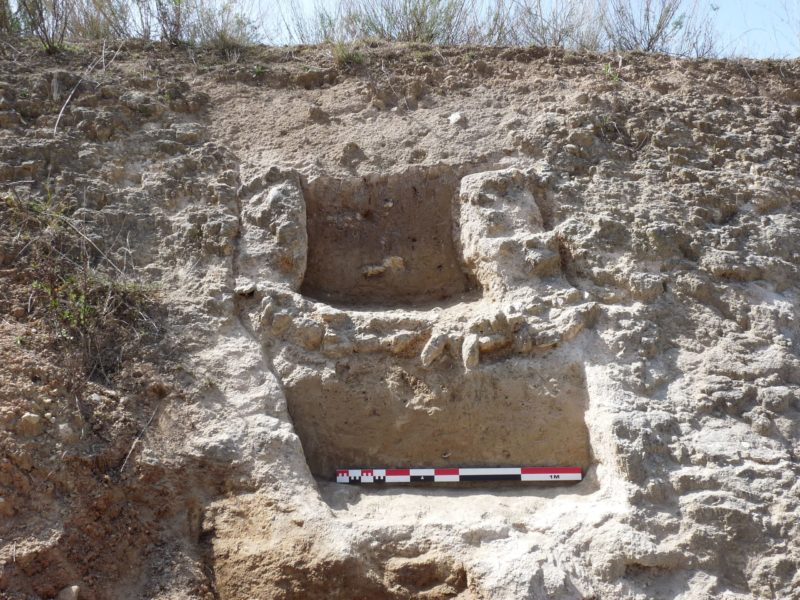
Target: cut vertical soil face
<point x="384" y="240"/>
<point x="385" y="413"/>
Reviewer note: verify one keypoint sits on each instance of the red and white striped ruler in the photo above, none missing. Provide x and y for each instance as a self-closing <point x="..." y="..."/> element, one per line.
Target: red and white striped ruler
<point x="459" y="474"/>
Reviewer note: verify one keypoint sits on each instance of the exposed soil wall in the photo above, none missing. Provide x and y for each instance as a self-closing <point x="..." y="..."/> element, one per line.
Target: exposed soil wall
<point x="385" y="240"/>
<point x="390" y="412"/>
<point x="439" y="256"/>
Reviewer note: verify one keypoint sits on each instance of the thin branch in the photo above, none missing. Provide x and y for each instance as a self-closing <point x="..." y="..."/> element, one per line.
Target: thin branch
<point x="80" y="81"/>
<point x="139" y="437"/>
<point x="84" y="236"/>
<point x="13" y="183"/>
<point x="86" y="73"/>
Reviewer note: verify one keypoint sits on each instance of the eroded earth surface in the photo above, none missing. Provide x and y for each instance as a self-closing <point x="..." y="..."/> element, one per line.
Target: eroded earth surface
<point x="437" y="257"/>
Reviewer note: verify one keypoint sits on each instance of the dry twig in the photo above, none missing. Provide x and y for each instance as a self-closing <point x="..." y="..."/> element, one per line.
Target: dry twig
<point x="139" y="437"/>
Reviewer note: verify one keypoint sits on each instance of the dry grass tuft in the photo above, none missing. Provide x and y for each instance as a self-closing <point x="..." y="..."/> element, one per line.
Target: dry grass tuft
<point x="89" y="306"/>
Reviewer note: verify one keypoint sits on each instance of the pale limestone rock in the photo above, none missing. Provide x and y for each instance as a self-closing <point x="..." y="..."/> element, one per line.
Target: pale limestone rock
<point x="497" y="213"/>
<point x="67" y="434"/>
<point x="336" y="346"/>
<point x="71" y="592"/>
<point x="490" y="343"/>
<point x="31" y="425"/>
<point x="433" y="349"/>
<point x="274" y="242"/>
<point x="457" y="119"/>
<point x="470" y="351"/>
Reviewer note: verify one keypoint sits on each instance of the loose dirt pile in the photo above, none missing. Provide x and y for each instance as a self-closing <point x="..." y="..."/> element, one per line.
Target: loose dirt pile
<point x="438" y="257"/>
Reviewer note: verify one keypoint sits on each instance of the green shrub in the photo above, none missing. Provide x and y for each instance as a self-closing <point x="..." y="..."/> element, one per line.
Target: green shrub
<point x="47" y="20"/>
<point x="100" y="19"/>
<point x="171" y="16"/>
<point x="345" y="55"/>
<point x="221" y="26"/>
<point x="425" y="21"/>
<point x="681" y="27"/>
<point x="90" y="307"/>
<point x="9" y="21"/>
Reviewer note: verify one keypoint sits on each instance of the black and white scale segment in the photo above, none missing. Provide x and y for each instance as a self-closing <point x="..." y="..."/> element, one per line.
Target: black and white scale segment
<point x="456" y="474"/>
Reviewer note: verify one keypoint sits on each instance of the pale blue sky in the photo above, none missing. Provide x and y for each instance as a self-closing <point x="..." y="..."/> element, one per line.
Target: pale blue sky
<point x="753" y="28"/>
<point x="759" y="28"/>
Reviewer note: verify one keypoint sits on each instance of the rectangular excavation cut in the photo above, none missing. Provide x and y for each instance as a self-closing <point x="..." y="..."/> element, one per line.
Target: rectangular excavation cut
<point x="383" y="240"/>
<point x="389" y="413"/>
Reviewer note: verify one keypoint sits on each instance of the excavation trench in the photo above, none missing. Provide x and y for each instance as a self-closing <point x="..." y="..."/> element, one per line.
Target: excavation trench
<point x="394" y="413"/>
<point x="381" y="249"/>
<point x="383" y="240"/>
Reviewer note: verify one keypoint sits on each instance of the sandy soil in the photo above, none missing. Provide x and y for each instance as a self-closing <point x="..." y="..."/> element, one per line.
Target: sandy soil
<point x="435" y="256"/>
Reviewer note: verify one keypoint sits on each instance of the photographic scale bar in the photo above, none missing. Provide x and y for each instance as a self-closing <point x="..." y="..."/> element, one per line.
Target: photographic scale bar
<point x="457" y="474"/>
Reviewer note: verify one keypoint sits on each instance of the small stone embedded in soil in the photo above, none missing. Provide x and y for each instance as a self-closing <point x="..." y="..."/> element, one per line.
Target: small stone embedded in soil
<point x="71" y="592"/>
<point x="30" y="425"/>
<point x="316" y="114"/>
<point x="489" y="343"/>
<point x="391" y="263"/>
<point x="470" y="351"/>
<point x="6" y="508"/>
<point x="67" y="434"/>
<point x="352" y="154"/>
<point x="457" y="119"/>
<point x="433" y="349"/>
<point x="245" y="289"/>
